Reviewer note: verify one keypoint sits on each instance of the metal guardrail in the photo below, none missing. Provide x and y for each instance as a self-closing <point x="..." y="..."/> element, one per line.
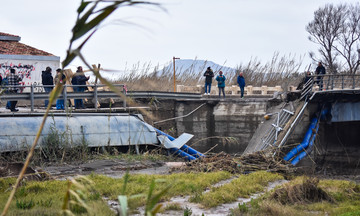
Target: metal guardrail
<point x="271" y="135"/>
<point x="94" y="95"/>
<point x="337" y="81"/>
<point x="65" y="95"/>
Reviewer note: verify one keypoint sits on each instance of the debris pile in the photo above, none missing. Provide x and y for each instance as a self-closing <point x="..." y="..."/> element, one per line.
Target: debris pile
<point x="242" y="164"/>
<point x="304" y="193"/>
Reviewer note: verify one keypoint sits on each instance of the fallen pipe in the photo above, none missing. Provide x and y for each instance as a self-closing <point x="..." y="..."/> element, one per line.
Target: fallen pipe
<point x="303" y="154"/>
<point x="308" y="140"/>
<point x="185" y="148"/>
<point x="181" y="153"/>
<point x="305" y="143"/>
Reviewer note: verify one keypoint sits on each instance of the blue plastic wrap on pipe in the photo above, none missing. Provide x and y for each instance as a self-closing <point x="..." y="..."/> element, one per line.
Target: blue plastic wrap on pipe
<point x="192" y="151"/>
<point x="182" y="154"/>
<point x="185" y="148"/>
<point x="304" y="144"/>
<point x="303" y="154"/>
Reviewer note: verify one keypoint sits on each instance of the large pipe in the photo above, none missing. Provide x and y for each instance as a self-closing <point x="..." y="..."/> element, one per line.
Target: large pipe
<point x="308" y="140"/>
<point x="304" y="144"/>
<point x="185" y="148"/>
<point x="181" y="153"/>
<point x="303" y="154"/>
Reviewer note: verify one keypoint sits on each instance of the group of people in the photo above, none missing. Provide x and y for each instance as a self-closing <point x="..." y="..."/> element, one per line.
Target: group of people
<point x="12" y="82"/>
<point x="209" y="74"/>
<point x="78" y="81"/>
<point x="320" y="70"/>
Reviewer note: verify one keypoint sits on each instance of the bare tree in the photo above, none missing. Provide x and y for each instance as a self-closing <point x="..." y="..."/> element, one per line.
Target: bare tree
<point x="325" y="30"/>
<point x="349" y="41"/>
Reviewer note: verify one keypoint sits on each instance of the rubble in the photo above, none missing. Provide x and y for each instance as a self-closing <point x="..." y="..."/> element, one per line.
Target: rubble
<point x="242" y="164"/>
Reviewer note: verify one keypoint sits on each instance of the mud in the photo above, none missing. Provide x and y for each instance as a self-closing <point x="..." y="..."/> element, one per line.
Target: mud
<point x="115" y="168"/>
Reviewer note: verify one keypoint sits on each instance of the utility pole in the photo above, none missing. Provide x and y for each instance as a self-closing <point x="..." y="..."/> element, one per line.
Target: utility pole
<point x="174" y="73"/>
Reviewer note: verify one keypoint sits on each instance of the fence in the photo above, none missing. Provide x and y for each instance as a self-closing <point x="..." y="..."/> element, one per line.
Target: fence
<point x="232" y="90"/>
<point x="95" y="92"/>
<point x="328" y="81"/>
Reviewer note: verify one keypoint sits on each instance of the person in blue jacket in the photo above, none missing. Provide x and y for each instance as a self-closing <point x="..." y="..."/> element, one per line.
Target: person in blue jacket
<point x="221" y="83"/>
<point x="241" y="82"/>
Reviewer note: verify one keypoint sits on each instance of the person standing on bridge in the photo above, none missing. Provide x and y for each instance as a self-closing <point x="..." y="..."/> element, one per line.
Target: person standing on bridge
<point x="48" y="82"/>
<point x="13" y="81"/>
<point x="241" y="82"/>
<point x="209" y="74"/>
<point x="79" y="78"/>
<point x="221" y="83"/>
<point x="320" y="70"/>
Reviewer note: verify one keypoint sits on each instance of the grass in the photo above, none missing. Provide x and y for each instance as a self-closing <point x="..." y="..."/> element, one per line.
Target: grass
<point x="44" y="198"/>
<point x="345" y="193"/>
<point x="243" y="186"/>
<point x="173" y="207"/>
<point x="182" y="184"/>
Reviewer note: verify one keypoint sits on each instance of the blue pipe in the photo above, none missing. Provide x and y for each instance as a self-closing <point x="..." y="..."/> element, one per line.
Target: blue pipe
<point x="181" y="153"/>
<point x="308" y="140"/>
<point x="192" y="151"/>
<point x="304" y="144"/>
<point x="303" y="154"/>
<point x="184" y="148"/>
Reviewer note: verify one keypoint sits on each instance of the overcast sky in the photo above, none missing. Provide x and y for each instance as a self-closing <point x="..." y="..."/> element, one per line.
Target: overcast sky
<point x="222" y="31"/>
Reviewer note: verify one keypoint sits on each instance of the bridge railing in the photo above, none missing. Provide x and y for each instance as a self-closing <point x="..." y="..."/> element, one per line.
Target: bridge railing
<point x="232" y="90"/>
<point x="337" y="81"/>
<point x="94" y="92"/>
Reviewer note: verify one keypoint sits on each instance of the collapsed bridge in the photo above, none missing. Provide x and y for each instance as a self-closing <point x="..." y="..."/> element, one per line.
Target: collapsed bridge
<point x="211" y="120"/>
<point x="321" y="124"/>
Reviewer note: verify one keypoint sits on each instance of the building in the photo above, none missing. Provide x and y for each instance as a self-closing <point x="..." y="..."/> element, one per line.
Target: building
<point x="28" y="61"/>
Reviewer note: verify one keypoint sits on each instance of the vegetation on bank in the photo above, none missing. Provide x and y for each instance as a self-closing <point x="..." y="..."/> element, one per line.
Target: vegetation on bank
<point x="48" y="197"/>
<point x="342" y="198"/>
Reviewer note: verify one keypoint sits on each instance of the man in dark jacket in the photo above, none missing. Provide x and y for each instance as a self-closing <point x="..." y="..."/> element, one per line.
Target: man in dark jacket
<point x="320" y="70"/>
<point x="209" y="74"/>
<point x="47" y="81"/>
<point x="79" y="78"/>
<point x="13" y="81"/>
<point x="241" y="82"/>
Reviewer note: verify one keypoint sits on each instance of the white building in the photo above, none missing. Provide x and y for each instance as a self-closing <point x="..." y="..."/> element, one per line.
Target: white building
<point x="28" y="61"/>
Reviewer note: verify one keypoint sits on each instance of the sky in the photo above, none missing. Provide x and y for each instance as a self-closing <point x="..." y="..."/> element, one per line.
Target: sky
<point x="227" y="32"/>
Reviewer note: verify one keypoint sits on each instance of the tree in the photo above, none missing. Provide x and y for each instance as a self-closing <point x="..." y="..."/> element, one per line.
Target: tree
<point x="349" y="41"/>
<point x="324" y="30"/>
<point x="337" y="30"/>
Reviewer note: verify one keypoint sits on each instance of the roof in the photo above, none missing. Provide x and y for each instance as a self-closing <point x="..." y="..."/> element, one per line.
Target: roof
<point x="6" y="34"/>
<point x="16" y="48"/>
<point x="10" y="45"/>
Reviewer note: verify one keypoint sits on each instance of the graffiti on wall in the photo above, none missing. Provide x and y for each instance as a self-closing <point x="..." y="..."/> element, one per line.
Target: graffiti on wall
<point x="24" y="71"/>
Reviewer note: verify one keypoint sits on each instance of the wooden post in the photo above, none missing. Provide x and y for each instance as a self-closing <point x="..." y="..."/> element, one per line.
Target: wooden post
<point x="174" y="73"/>
<point x="69" y="74"/>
